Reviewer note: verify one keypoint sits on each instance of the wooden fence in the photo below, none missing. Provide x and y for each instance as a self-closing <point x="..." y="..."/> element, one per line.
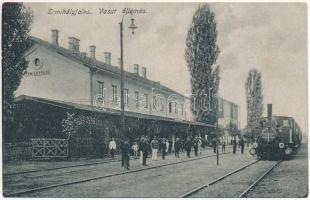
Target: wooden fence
<point x="46" y="148"/>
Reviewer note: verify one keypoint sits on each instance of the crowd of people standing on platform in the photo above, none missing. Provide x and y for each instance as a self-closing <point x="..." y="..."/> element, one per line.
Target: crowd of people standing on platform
<point x="144" y="146"/>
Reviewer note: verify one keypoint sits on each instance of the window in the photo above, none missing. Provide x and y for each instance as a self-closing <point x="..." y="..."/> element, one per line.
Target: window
<point x="162" y="103"/>
<point x="114" y="93"/>
<point x="136" y="68"/>
<point x="37" y="62"/>
<point x="176" y="108"/>
<point x="268" y="135"/>
<point x="221" y="108"/>
<point x="137" y="98"/>
<point x="100" y="88"/>
<point x="170" y="107"/>
<point x="146" y="101"/>
<point x="285" y="123"/>
<point x="182" y="109"/>
<point x="220" y="105"/>
<point x="126" y="96"/>
<point x="154" y="102"/>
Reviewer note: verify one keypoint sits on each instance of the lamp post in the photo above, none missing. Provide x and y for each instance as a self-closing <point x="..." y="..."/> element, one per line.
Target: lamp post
<point x="217" y="127"/>
<point x="132" y="27"/>
<point x="217" y="140"/>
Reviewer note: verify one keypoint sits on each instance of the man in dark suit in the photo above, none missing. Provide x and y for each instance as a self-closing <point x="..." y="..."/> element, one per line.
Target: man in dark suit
<point x="195" y="145"/>
<point x="188" y="146"/>
<point x="163" y="148"/>
<point x="177" y="147"/>
<point x="144" y="147"/>
<point x="234" y="146"/>
<point x="214" y="145"/>
<point x="125" y="148"/>
<point x="242" y="145"/>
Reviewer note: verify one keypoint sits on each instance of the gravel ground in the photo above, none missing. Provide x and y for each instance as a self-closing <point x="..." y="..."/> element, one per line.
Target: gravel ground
<point x="39" y="179"/>
<point x="168" y="181"/>
<point x="288" y="180"/>
<point x="234" y="185"/>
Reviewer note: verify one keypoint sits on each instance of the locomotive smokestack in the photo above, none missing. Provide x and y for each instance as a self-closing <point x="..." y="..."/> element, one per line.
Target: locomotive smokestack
<point x="269" y="108"/>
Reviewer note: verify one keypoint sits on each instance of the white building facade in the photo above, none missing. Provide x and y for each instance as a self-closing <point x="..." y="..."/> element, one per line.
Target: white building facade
<point x="68" y="75"/>
<point x="228" y="114"/>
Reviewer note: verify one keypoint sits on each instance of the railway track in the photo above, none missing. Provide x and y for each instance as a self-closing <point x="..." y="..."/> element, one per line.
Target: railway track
<point x="244" y="193"/>
<point x="21" y="192"/>
<point x="252" y="186"/>
<point x="65" y="167"/>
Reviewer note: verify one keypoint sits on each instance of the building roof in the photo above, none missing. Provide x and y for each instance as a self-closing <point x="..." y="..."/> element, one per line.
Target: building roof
<point x="98" y="65"/>
<point x="70" y="105"/>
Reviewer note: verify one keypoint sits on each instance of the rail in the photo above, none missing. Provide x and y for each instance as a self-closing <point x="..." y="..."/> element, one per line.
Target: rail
<point x="26" y="191"/>
<point x="245" y="192"/>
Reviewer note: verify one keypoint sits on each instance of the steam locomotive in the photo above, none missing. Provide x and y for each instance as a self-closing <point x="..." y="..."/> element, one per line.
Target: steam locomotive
<point x="280" y="137"/>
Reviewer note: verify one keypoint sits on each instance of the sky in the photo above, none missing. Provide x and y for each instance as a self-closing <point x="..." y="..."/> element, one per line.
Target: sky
<point x="271" y="37"/>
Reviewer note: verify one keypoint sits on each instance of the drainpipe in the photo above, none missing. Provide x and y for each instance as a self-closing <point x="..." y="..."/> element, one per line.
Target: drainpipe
<point x="167" y="106"/>
<point x="91" y="87"/>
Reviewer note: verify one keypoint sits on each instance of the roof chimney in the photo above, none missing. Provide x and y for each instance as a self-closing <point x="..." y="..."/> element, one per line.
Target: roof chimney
<point x="92" y="52"/>
<point x="55" y="37"/>
<point x="107" y="58"/>
<point x="143" y="69"/>
<point x="136" y="69"/>
<point x="74" y="45"/>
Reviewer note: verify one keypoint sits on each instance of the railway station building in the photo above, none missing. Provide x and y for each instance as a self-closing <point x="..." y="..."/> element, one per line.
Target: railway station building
<point x="228" y="118"/>
<point x="66" y="92"/>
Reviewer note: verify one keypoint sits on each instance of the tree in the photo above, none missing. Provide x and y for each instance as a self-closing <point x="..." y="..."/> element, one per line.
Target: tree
<point x="254" y="98"/>
<point x="16" y="22"/>
<point x="201" y="54"/>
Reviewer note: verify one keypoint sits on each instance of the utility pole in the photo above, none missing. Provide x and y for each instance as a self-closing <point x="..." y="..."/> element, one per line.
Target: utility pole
<point x="122" y="80"/>
<point x="217" y="128"/>
<point x="132" y="27"/>
<point x="217" y="140"/>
